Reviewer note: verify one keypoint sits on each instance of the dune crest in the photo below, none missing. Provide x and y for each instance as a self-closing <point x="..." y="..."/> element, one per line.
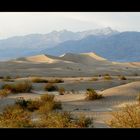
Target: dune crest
<point x="94" y="55"/>
<point x="40" y="58"/>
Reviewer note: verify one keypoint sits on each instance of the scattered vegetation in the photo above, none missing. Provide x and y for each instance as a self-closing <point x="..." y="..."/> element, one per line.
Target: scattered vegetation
<point x="19" y="87"/>
<point x="94" y="79"/>
<point x="51" y="87"/>
<point x="122" y="77"/>
<point x="127" y="117"/>
<point x="61" y="91"/>
<point x="4" y="92"/>
<point x="45" y="104"/>
<point x="107" y="77"/>
<point x="91" y="94"/>
<point x="42" y="80"/>
<point x="56" y="81"/>
<point x="39" y="80"/>
<point x="19" y="115"/>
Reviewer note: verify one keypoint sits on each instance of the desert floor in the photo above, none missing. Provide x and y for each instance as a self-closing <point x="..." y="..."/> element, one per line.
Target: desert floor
<point x="116" y="94"/>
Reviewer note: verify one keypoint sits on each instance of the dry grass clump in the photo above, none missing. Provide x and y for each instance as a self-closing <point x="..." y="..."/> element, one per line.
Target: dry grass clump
<point x="94" y="79"/>
<point x="51" y="87"/>
<point x="127" y="117"/>
<point x="15" y="117"/>
<point x="107" y="77"/>
<point x="61" y="91"/>
<point x="91" y="94"/>
<point x="49" y="104"/>
<point x="39" y="80"/>
<point x="56" y="81"/>
<point x="4" y="92"/>
<point x="19" y="87"/>
<point x="122" y="77"/>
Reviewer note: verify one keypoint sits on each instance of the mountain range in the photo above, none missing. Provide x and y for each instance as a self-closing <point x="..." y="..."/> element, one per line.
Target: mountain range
<point x="108" y="43"/>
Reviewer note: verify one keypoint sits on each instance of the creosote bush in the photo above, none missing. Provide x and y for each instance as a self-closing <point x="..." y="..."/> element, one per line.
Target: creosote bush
<point x="127" y="117"/>
<point x="19" y="87"/>
<point x="51" y="87"/>
<point x="91" y="94"/>
<point x="15" y="117"/>
<point x="63" y="120"/>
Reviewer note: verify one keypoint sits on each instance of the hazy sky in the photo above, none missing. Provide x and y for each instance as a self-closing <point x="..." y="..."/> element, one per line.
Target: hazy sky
<point x="22" y="23"/>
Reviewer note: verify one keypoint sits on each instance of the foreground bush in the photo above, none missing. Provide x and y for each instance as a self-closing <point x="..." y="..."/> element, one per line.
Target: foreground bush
<point x="92" y="95"/>
<point x="18" y="115"/>
<point x="15" y="117"/>
<point x="51" y="87"/>
<point x="127" y="117"/>
<point x="20" y="87"/>
<point x="49" y="104"/>
<point x="45" y="104"/>
<point x="63" y="120"/>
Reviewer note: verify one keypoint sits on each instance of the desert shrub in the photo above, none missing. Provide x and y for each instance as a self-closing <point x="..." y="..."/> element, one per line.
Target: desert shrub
<point x="127" y="117"/>
<point x="107" y="77"/>
<point x="92" y="95"/>
<point x="49" y="104"/>
<point x="45" y="104"/>
<point x="24" y="86"/>
<point x="1" y="77"/>
<point x="47" y="97"/>
<point x="39" y="80"/>
<point x="4" y="92"/>
<point x="63" y="120"/>
<point x="56" y="81"/>
<point x="20" y="87"/>
<point x="22" y="102"/>
<point x="94" y="79"/>
<point x="15" y="117"/>
<point x="61" y="91"/>
<point x="83" y="121"/>
<point x="51" y="87"/>
<point x="122" y="77"/>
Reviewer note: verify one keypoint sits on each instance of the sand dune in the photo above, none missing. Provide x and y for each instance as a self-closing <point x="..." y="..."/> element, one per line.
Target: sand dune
<point x="84" y="64"/>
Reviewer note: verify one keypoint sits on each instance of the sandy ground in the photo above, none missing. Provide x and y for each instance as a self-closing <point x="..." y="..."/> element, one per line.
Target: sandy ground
<point x="88" y="64"/>
<point x="99" y="110"/>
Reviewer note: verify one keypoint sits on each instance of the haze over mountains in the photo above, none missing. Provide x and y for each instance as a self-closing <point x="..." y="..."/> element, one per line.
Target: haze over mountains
<point x="108" y="43"/>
